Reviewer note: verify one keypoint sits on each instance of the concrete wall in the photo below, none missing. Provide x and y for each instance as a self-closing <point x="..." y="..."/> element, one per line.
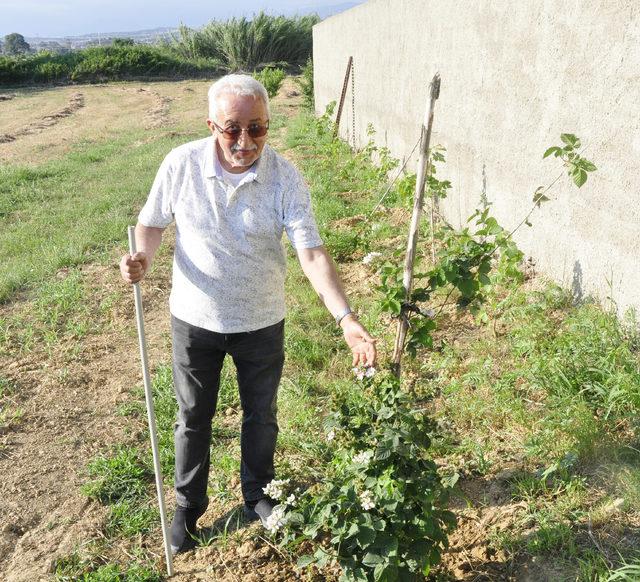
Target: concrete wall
<point x="514" y="76"/>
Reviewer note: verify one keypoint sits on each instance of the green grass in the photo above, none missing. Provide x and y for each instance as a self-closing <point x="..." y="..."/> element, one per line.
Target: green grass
<point x="74" y="210"/>
<point x="74" y="569"/>
<point x="123" y="475"/>
<point x="131" y="517"/>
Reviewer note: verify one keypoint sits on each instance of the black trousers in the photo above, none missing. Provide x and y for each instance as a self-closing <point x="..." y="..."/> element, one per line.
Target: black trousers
<point x="198" y="355"/>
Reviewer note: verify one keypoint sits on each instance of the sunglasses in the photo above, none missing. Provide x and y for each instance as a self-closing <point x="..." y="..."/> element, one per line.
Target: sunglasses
<point x="233" y="132"/>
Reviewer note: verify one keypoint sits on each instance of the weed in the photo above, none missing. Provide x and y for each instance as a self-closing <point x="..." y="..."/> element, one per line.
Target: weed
<point x="121" y="476"/>
<point x="130" y="518"/>
<point x="629" y="572"/>
<point x="271" y="78"/>
<point x="75" y="569"/>
<point x="7" y="388"/>
<point x="166" y="410"/>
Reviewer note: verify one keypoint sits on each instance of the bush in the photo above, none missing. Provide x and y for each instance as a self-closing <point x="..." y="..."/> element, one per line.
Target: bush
<point x="242" y="44"/>
<point x="305" y="82"/>
<point x="380" y="512"/>
<point x="120" y="61"/>
<point x="272" y="79"/>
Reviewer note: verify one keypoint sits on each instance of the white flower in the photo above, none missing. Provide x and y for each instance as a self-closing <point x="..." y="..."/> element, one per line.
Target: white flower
<point x="331" y="435"/>
<point x="366" y="500"/>
<point x="363" y="458"/>
<point x="290" y="500"/>
<point x="275" y="489"/>
<point x="366" y="372"/>
<point x="276" y="520"/>
<point x="370" y="257"/>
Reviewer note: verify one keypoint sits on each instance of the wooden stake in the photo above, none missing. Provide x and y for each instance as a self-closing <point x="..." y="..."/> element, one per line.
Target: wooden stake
<point x="342" y="96"/>
<point x="418" y="202"/>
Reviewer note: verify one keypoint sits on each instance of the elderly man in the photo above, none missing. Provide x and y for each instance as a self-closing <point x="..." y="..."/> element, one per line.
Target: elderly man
<point x="231" y="197"/>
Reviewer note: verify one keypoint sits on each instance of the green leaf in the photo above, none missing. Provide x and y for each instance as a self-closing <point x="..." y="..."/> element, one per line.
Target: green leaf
<point x="466" y="287"/>
<point x="570" y="139"/>
<point x="366" y="536"/>
<point x="371" y="560"/>
<point x="587" y="165"/>
<point x="304" y="561"/>
<point x="539" y="198"/>
<point x="579" y="177"/>
<point x="552" y="150"/>
<point x="353" y="530"/>
<point x="321" y="557"/>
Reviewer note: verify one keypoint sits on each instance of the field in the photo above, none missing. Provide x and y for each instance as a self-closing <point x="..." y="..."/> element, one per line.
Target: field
<point x="534" y="408"/>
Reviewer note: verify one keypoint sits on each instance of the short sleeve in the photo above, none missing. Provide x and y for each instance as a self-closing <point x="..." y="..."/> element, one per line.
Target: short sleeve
<point x="299" y="221"/>
<point x="158" y="210"/>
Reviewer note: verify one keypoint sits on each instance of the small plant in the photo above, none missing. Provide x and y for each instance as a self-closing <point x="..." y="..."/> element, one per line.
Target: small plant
<point x="577" y="166"/>
<point x="380" y="513"/>
<point x="122" y="476"/>
<point x="469" y="261"/>
<point x="75" y="569"/>
<point x="272" y="79"/>
<point x="305" y="82"/>
<point x="131" y="518"/>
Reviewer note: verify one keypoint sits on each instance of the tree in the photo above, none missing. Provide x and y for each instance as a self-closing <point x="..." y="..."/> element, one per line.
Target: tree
<point x="14" y="44"/>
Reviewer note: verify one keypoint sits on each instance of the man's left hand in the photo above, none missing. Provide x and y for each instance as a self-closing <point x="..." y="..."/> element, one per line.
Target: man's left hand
<point x="362" y="344"/>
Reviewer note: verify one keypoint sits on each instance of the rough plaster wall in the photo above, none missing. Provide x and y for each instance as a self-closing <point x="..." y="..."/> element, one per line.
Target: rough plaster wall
<point x="514" y="76"/>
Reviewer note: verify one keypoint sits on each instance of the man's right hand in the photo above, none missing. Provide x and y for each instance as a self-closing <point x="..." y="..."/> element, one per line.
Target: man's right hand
<point x="133" y="268"/>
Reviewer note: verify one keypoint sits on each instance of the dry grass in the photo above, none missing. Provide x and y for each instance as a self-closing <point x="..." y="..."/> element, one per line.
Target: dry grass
<point x="108" y="110"/>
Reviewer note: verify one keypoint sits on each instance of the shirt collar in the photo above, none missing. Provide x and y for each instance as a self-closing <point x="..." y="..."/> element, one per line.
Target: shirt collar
<point x="212" y="168"/>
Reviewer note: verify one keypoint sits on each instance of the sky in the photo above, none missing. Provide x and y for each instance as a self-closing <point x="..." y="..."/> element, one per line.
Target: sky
<point x="58" y="18"/>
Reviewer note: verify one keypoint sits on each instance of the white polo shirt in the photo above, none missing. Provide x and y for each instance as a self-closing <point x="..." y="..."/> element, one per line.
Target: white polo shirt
<point x="229" y="264"/>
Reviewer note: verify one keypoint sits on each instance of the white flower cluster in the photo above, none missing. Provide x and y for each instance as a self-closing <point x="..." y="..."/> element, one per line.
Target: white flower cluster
<point x="361" y="373"/>
<point x="370" y="257"/>
<point x="331" y="435"/>
<point x="366" y="499"/>
<point x="277" y="519"/>
<point x="363" y="458"/>
<point x="275" y="489"/>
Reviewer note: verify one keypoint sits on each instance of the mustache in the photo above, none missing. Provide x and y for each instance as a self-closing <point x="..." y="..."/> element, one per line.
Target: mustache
<point x="236" y="147"/>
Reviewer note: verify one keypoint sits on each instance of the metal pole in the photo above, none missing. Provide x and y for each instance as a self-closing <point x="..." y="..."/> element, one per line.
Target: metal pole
<point x="418" y="201"/>
<point x="151" y="417"/>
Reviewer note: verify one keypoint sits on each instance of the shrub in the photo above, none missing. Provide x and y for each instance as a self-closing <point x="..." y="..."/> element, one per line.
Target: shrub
<point x="120" y="61"/>
<point x="381" y="511"/>
<point x="242" y="44"/>
<point x="272" y="79"/>
<point x="305" y="82"/>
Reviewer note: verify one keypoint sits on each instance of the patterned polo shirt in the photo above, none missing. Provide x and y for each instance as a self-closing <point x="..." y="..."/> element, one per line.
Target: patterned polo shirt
<point x="229" y="263"/>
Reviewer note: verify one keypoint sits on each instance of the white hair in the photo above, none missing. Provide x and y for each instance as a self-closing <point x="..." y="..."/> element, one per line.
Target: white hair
<point x="236" y="84"/>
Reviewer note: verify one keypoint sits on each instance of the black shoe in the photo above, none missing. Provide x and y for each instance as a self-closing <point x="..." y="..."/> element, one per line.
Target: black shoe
<point x="183" y="527"/>
<point x="261" y="510"/>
